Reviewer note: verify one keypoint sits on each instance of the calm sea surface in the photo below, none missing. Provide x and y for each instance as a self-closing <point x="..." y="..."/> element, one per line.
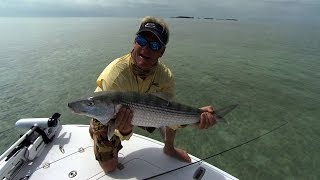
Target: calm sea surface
<point x="271" y="70"/>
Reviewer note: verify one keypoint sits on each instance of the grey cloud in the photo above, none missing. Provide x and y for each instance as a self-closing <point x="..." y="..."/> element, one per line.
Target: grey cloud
<point x="164" y="8"/>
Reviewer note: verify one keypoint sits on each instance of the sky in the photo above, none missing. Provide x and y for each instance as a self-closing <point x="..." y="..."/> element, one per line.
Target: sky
<point x="264" y="9"/>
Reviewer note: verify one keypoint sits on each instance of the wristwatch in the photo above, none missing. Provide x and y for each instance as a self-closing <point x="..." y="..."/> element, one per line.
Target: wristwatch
<point x="121" y="136"/>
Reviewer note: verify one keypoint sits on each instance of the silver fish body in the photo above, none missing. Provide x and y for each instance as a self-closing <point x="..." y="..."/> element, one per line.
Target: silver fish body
<point x="149" y="110"/>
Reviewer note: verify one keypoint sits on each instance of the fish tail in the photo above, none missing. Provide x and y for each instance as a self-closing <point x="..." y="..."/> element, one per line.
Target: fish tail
<point x="220" y="113"/>
<point x="221" y="119"/>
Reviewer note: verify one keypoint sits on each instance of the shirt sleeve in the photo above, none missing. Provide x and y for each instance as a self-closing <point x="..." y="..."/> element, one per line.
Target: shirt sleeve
<point x="110" y="78"/>
<point x="102" y="85"/>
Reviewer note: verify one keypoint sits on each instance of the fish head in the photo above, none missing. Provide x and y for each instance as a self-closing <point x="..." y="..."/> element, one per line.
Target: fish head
<point x="101" y="109"/>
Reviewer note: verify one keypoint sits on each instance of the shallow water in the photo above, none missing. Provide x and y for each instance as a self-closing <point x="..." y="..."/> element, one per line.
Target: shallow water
<point x="271" y="70"/>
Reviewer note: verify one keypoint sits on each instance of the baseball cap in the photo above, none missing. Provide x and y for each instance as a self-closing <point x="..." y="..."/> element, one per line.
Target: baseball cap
<point x="156" y="29"/>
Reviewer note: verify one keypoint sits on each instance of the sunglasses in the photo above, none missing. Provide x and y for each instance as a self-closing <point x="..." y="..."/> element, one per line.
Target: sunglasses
<point x="153" y="45"/>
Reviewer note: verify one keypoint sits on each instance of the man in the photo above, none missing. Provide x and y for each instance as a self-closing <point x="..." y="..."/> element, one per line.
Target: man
<point x="139" y="71"/>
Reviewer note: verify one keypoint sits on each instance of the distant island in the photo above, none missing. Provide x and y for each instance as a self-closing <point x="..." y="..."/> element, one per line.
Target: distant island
<point x="183" y="17"/>
<point x="228" y="19"/>
<point x="207" y="18"/>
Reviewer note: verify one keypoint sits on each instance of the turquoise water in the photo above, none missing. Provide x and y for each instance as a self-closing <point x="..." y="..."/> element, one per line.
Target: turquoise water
<point x="271" y="70"/>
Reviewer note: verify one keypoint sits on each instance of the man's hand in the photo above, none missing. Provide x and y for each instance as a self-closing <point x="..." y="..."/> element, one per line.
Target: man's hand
<point x="206" y="118"/>
<point x="123" y="120"/>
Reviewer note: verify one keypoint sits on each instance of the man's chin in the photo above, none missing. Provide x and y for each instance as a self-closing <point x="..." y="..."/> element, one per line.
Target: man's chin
<point x="144" y="68"/>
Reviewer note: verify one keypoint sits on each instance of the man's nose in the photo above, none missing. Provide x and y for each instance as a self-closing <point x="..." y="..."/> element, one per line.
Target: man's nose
<point x="146" y="47"/>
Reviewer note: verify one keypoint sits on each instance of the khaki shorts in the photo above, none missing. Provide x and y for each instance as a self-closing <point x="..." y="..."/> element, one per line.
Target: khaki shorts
<point x="104" y="149"/>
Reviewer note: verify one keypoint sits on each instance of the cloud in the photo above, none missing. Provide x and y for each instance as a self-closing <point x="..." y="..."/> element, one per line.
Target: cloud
<point x="163" y="8"/>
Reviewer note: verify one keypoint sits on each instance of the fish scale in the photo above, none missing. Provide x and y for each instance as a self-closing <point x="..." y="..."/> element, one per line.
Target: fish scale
<point x="153" y="101"/>
<point x="149" y="116"/>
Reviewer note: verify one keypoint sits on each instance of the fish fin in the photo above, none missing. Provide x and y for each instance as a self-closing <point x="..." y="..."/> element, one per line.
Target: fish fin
<point x="111" y="111"/>
<point x="220" y="113"/>
<point x="117" y="108"/>
<point x="103" y="121"/>
<point x="163" y="95"/>
<point x="111" y="128"/>
<point x="111" y="123"/>
<point x="163" y="133"/>
<point x="221" y="119"/>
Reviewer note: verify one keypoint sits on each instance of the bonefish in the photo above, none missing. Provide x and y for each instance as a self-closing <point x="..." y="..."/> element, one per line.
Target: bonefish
<point x="149" y="110"/>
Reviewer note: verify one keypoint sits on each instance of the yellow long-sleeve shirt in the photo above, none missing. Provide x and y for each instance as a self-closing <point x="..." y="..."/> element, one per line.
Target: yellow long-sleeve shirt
<point x="119" y="76"/>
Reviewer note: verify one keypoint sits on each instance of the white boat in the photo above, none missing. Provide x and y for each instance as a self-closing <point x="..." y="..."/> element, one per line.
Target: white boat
<point x="49" y="150"/>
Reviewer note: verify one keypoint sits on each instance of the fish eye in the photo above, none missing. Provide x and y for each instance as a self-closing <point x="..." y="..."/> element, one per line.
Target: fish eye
<point x="90" y="103"/>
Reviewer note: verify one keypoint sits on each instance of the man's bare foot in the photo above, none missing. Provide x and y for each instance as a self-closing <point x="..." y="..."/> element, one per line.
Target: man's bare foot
<point x="110" y="165"/>
<point x="178" y="154"/>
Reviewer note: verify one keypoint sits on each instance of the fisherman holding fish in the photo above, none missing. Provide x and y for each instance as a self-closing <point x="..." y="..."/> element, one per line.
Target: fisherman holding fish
<point x="139" y="71"/>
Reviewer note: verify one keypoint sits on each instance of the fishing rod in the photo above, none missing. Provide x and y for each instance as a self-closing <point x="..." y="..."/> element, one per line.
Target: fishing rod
<point x="224" y="151"/>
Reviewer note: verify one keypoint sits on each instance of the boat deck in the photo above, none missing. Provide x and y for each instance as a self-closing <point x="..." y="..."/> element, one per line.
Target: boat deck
<point x="70" y="156"/>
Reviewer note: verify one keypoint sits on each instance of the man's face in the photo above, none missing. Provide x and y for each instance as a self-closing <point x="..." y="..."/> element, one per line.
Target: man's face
<point x="144" y="57"/>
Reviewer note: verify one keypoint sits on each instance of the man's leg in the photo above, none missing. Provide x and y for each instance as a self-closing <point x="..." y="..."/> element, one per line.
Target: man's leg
<point x="106" y="152"/>
<point x="169" y="148"/>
